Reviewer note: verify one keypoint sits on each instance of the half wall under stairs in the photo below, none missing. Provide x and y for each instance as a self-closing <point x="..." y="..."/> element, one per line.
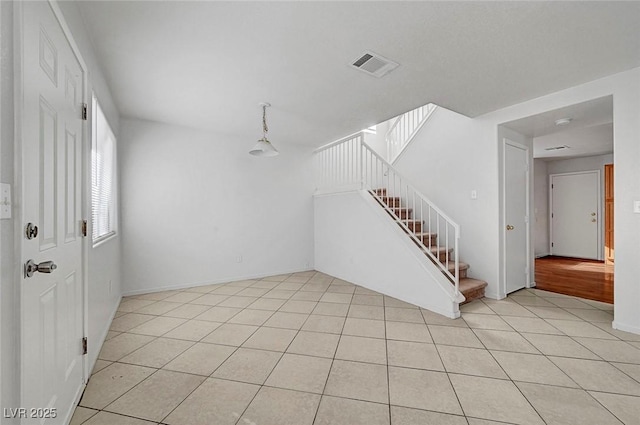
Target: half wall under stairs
<point x="355" y="240"/>
<point x="471" y="288"/>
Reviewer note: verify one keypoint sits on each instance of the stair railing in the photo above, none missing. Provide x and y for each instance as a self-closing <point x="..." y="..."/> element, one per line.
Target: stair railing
<point x="349" y="164"/>
<point x="339" y="165"/>
<point x="404" y="129"/>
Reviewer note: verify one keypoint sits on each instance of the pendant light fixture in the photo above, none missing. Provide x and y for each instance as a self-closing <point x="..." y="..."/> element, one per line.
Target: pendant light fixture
<point x="264" y="146"/>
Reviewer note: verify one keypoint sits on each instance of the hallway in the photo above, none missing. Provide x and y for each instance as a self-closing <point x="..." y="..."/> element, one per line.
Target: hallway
<point x="588" y="279"/>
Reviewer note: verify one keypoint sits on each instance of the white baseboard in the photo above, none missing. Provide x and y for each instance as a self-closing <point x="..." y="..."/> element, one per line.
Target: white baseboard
<point x="209" y="282"/>
<point x="626" y="328"/>
<point x="545" y="254"/>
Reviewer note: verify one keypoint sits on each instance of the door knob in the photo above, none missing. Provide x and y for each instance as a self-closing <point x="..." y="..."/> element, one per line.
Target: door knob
<point x="30" y="267"/>
<point x="510" y="227"/>
<point x="593" y="214"/>
<point x="593" y="220"/>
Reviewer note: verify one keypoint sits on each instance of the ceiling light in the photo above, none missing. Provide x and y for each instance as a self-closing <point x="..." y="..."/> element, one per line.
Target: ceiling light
<point x="563" y="121"/>
<point x="264" y="146"/>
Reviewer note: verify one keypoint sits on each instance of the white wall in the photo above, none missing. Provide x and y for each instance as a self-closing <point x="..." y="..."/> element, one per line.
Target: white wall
<point x="103" y="262"/>
<point x="356" y="240"/>
<point x="193" y="202"/>
<point x="466" y="156"/>
<point x="585" y="164"/>
<point x="378" y="141"/>
<point x="540" y="228"/>
<point x="446" y="161"/>
<point x="8" y="294"/>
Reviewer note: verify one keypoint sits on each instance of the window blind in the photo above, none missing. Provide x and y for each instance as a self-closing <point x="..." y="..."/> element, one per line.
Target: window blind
<point x="103" y="171"/>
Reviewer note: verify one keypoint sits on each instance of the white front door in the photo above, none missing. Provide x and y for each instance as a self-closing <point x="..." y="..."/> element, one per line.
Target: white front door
<point x="516" y="198"/>
<point x="52" y="142"/>
<point x="574" y="214"/>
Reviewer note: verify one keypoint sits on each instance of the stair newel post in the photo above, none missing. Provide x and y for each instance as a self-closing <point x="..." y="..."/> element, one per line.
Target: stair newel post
<point x="457" y="260"/>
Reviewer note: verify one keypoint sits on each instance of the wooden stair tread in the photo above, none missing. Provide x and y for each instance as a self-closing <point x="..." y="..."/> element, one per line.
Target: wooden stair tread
<point x="451" y="265"/>
<point x="438" y="249"/>
<point x="469" y="284"/>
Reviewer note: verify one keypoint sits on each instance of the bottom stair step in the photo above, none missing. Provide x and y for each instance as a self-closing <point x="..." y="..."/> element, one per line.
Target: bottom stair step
<point x="472" y="289"/>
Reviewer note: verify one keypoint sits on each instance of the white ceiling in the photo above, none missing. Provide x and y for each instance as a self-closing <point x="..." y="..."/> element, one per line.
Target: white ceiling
<point x="586" y="114"/>
<point x="585" y="141"/>
<point x="590" y="131"/>
<point x="209" y="64"/>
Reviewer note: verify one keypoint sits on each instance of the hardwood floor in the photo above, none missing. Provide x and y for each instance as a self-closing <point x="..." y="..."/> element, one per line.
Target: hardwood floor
<point x="573" y="276"/>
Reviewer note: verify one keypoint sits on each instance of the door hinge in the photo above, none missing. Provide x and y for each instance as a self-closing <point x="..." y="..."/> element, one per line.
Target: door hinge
<point x="551" y="186"/>
<point x="84" y="345"/>
<point x="84" y="228"/>
<point x="551" y="244"/>
<point x="84" y="111"/>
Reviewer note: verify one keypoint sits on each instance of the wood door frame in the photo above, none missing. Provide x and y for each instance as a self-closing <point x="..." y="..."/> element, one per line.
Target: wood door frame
<point x="18" y="69"/>
<point x="503" y="216"/>
<point x="605" y="212"/>
<point x="599" y="241"/>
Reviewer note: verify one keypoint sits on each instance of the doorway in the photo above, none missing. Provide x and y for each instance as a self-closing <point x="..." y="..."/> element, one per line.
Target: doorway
<point x="575" y="140"/>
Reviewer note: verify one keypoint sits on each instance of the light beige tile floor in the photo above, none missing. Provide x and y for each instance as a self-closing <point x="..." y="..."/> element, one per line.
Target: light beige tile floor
<point x="308" y="349"/>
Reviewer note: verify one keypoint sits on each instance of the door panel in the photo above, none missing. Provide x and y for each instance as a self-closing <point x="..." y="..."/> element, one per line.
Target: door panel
<point x="516" y="207"/>
<point x="51" y="303"/>
<point x="574" y="215"/>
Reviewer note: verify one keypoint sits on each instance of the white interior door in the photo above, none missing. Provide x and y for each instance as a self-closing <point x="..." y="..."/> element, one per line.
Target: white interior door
<point x="516" y="199"/>
<point x="574" y="214"/>
<point x="52" y="141"/>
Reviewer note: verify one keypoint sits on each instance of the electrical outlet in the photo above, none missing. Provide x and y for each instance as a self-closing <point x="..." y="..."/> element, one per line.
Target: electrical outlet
<point x="239" y="259"/>
<point x="474" y="194"/>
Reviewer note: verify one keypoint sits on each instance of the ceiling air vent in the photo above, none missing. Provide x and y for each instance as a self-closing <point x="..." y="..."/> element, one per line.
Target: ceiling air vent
<point x="374" y="64"/>
<point x="556" y="148"/>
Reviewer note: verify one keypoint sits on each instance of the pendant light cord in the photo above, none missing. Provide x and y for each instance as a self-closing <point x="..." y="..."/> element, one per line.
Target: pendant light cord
<point x="265" y="129"/>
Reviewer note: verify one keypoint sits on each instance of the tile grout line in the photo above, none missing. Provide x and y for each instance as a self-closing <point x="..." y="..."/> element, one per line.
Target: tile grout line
<point x="386" y="348"/>
<point x="324" y="388"/>
<point x="464" y="414"/>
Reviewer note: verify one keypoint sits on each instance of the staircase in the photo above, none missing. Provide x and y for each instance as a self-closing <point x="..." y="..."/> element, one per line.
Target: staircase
<point x="471" y="288"/>
<point x="350" y="164"/>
